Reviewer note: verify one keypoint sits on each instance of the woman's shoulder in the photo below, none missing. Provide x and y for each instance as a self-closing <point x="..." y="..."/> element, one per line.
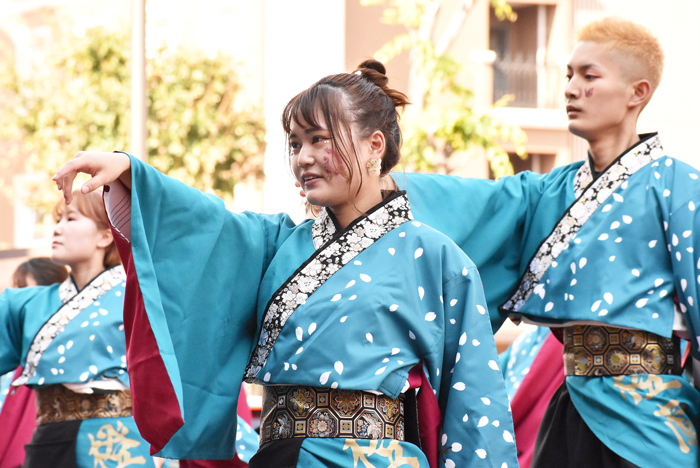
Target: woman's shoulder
<point x="432" y="242"/>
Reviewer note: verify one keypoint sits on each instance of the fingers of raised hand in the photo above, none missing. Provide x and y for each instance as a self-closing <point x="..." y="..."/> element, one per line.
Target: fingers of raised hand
<point x="65" y="176"/>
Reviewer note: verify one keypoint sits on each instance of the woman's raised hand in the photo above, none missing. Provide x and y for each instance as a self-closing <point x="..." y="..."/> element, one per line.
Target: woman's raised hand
<point x="104" y="168"/>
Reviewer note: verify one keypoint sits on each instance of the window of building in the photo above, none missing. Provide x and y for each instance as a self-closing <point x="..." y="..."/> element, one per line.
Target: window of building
<point x="521" y="71"/>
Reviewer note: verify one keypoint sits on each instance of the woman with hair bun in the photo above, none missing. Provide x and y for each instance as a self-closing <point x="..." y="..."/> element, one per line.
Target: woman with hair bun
<point x="341" y="318"/>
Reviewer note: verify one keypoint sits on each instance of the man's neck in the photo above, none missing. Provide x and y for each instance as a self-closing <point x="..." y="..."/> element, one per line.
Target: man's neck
<point x="606" y="149"/>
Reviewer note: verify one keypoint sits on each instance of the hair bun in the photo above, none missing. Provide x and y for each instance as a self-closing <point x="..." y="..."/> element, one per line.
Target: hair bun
<point x="373" y="64"/>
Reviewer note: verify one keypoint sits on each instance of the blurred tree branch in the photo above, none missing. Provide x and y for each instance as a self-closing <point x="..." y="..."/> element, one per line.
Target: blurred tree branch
<point x="441" y="121"/>
<point x="197" y="131"/>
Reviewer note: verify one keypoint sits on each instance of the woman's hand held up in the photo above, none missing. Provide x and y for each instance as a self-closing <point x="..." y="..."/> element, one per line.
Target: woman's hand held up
<point x="104" y="168"/>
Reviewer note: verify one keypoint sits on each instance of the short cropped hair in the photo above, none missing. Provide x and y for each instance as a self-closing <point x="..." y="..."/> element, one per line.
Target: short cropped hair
<point x="631" y="39"/>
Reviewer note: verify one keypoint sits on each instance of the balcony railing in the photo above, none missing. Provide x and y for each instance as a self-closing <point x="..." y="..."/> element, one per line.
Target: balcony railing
<point x="529" y="84"/>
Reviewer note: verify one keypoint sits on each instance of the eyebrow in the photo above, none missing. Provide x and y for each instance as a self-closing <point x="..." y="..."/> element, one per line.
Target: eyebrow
<point x="584" y="68"/>
<point x="308" y="130"/>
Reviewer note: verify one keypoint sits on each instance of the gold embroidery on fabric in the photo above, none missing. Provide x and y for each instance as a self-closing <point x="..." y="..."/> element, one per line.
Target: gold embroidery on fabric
<point x="679" y="423"/>
<point x="653" y="385"/>
<point x="591" y="350"/>
<point x="56" y="403"/>
<point x="113" y="445"/>
<point x="299" y="411"/>
<point x="393" y="451"/>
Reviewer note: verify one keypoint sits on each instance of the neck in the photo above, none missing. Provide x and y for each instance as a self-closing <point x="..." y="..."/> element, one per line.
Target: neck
<point x="83" y="272"/>
<point x="607" y="147"/>
<point x="347" y="213"/>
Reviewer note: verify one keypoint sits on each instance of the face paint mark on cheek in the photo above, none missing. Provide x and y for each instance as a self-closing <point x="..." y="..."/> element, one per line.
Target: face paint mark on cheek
<point x="328" y="166"/>
<point x="589" y="92"/>
<point x="338" y="164"/>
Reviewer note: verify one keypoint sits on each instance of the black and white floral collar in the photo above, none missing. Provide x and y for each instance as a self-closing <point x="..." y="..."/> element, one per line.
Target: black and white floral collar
<point x="590" y="195"/>
<point x="334" y="249"/>
<point x="74" y="302"/>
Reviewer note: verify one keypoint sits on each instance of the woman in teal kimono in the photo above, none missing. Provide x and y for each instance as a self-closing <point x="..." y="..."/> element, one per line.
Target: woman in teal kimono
<point x="69" y="340"/>
<point x="340" y="318"/>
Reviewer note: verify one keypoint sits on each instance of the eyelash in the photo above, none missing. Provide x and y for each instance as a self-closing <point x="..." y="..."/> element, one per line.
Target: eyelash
<point x="316" y="139"/>
<point x="587" y="77"/>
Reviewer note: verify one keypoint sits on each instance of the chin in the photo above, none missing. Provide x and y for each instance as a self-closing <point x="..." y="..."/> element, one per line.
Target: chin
<point x="579" y="130"/>
<point x="316" y="201"/>
<point x="59" y="261"/>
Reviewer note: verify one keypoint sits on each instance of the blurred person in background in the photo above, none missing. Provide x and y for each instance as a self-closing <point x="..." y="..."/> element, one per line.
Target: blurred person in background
<point x="18" y="410"/>
<point x="38" y="271"/>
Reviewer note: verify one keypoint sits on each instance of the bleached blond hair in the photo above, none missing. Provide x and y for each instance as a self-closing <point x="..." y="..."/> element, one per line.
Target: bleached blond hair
<point x="630" y="39"/>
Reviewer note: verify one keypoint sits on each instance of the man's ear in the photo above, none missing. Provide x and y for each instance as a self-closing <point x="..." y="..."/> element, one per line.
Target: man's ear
<point x="641" y="93"/>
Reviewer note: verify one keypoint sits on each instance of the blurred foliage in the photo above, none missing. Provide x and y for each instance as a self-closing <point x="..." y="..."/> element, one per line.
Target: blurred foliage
<point x="442" y="122"/>
<point x="80" y="101"/>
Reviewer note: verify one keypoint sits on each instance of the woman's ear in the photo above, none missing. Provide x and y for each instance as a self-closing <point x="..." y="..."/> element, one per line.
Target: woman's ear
<point x="105" y="238"/>
<point x="377" y="144"/>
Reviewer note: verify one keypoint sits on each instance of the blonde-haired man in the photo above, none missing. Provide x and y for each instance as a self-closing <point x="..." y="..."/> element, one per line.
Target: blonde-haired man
<point x="604" y="251"/>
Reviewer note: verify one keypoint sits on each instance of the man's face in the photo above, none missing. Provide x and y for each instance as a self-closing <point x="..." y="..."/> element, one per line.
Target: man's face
<point x="597" y="95"/>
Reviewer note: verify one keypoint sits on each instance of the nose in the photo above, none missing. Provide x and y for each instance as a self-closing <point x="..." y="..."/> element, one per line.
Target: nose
<point x="305" y="158"/>
<point x="57" y="229"/>
<point x="572" y="91"/>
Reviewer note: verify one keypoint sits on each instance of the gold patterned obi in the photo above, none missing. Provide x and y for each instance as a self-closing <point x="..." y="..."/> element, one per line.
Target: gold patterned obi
<point x="56" y="403"/>
<point x="298" y="411"/>
<point x="596" y="351"/>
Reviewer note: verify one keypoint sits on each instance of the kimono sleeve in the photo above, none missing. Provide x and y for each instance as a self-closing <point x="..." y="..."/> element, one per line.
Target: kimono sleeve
<point x="477" y="424"/>
<point x="193" y="274"/>
<point x="491" y="221"/>
<point x="12" y="303"/>
<point x="683" y="238"/>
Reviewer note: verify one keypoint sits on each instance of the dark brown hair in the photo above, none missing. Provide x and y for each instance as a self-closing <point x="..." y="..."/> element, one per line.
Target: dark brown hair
<point x="90" y="205"/>
<point x="362" y="98"/>
<point x="42" y="269"/>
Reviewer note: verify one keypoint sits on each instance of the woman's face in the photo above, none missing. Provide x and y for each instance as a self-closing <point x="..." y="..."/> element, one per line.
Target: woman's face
<point x="76" y="238"/>
<point x="319" y="168"/>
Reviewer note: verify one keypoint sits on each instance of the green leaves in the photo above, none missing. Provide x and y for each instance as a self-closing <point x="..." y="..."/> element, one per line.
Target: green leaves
<point x="80" y="100"/>
<point x="443" y="127"/>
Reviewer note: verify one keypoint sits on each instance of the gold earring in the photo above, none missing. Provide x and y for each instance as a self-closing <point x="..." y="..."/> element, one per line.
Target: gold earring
<point x="374" y="166"/>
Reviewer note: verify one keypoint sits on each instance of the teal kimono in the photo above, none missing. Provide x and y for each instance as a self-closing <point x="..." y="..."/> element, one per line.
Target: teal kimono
<point x="563" y="249"/>
<point x="64" y="336"/>
<point x="215" y="297"/>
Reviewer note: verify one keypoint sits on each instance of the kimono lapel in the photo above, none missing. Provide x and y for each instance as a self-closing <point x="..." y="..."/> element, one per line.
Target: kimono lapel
<point x="74" y="302"/>
<point x="334" y="249"/>
<point x="590" y="195"/>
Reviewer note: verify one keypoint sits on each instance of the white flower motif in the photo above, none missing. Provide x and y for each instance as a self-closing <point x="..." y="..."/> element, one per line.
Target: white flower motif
<point x="307" y="284"/>
<point x="603" y="195"/>
<point x="372" y="230"/>
<point x="578" y="211"/>
<point x="313" y="268"/>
